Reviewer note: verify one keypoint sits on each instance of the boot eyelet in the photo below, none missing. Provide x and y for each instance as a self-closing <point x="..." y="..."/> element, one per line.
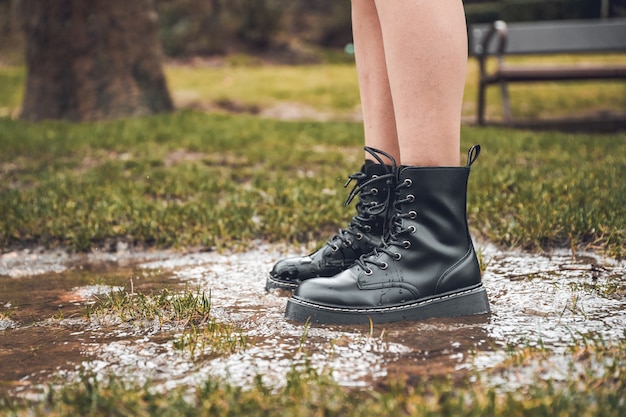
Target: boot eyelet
<point x="412" y="229"/>
<point x="408" y="182"/>
<point x="334" y="248"/>
<point x="397" y="256"/>
<point x="410" y="198"/>
<point x="359" y="236"/>
<point x="406" y="244"/>
<point x="368" y="228"/>
<point x="347" y="243"/>
<point x="384" y="266"/>
<point x="412" y="214"/>
<point x="374" y="191"/>
<point x="368" y="271"/>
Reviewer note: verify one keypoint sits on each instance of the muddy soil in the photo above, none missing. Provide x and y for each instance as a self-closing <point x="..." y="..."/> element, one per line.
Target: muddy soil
<point x="553" y="301"/>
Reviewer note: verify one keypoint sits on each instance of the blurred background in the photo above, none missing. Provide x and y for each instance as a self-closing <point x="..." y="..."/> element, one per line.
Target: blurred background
<point x="291" y="30"/>
<point x="104" y="59"/>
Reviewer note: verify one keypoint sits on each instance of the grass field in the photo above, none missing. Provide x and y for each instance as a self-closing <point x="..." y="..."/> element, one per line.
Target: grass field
<point x="331" y="91"/>
<point x="195" y="179"/>
<point x="192" y="178"/>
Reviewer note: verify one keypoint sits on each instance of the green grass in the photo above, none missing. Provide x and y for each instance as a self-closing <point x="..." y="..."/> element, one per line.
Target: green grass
<point x="244" y="84"/>
<point x="536" y="190"/>
<point x="188" y="311"/>
<point x="323" y="87"/>
<point x="235" y="179"/>
<point x="334" y="88"/>
<point x="164" y="307"/>
<point x="194" y="179"/>
<point x="311" y="393"/>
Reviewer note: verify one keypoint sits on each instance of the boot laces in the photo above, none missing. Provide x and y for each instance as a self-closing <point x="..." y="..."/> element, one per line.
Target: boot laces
<point x="397" y="230"/>
<point x="368" y="207"/>
<point x="395" y="236"/>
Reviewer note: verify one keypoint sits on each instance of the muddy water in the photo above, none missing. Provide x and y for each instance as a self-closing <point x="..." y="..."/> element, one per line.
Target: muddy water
<point x="43" y="297"/>
<point x="554" y="301"/>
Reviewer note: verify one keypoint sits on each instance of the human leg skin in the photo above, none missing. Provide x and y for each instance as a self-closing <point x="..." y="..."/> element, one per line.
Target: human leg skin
<point x="379" y="122"/>
<point x="425" y="49"/>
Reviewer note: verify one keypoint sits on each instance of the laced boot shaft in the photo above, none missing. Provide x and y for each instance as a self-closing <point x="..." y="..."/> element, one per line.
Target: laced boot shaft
<point x="374" y="186"/>
<point x="425" y="267"/>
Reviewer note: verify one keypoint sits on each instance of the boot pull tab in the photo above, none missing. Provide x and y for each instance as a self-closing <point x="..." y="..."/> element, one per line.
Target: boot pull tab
<point x="472" y="155"/>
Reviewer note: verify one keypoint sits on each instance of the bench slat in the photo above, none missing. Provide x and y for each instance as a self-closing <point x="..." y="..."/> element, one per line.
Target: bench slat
<point x="576" y="36"/>
<point x="555" y="73"/>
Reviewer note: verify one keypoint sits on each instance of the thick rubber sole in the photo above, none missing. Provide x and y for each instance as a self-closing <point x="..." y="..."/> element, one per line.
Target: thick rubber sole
<point x="272" y="283"/>
<point x="469" y="302"/>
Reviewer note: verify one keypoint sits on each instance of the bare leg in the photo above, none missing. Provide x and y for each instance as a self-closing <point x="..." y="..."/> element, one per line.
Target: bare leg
<point x="425" y="58"/>
<point x="379" y="121"/>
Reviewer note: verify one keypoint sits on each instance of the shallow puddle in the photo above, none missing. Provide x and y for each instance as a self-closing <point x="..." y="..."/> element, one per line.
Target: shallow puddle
<point x="550" y="301"/>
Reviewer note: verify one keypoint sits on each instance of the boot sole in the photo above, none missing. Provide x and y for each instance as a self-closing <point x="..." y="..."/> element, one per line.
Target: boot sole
<point x="469" y="302"/>
<point x="273" y="283"/>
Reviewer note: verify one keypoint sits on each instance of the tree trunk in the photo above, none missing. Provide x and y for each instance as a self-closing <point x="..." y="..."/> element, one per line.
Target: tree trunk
<point x="92" y="60"/>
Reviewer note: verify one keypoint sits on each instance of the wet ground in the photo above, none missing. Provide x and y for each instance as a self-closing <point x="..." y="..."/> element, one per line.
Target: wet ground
<point x="549" y="301"/>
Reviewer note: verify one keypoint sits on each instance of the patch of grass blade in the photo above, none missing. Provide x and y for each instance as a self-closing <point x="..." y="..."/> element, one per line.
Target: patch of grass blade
<point x="189" y="311"/>
<point x="165" y="306"/>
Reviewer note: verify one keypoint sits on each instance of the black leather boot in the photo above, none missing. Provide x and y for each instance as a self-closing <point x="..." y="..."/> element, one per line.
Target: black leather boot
<point x="426" y="267"/>
<point x="375" y="184"/>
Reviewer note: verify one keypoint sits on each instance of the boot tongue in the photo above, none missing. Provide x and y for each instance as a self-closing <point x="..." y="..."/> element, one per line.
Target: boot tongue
<point x="371" y="168"/>
<point x="369" y="171"/>
<point x="367" y="165"/>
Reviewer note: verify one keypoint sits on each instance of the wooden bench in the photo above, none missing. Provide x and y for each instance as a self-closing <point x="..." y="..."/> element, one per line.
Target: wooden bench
<point x="500" y="39"/>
